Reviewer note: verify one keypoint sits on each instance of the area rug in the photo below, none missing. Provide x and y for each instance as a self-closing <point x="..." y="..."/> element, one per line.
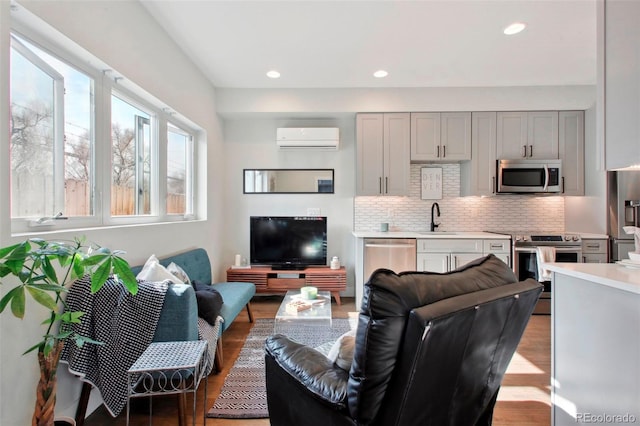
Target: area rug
<point x="243" y="394"/>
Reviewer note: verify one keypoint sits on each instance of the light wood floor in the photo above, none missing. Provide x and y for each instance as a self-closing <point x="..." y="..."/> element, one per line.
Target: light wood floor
<point x="524" y="397"/>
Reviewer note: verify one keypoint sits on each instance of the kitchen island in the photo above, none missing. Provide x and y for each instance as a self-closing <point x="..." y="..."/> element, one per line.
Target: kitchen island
<point x="595" y="344"/>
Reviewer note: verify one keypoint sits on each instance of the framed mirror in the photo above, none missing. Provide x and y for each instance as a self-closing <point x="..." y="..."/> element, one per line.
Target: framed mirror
<point x="288" y="181"/>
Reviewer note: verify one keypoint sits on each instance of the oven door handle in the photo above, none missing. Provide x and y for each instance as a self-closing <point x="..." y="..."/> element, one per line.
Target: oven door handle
<point x="577" y="250"/>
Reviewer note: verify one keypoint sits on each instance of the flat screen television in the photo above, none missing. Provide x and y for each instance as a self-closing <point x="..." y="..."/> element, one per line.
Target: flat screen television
<point x="288" y="242"/>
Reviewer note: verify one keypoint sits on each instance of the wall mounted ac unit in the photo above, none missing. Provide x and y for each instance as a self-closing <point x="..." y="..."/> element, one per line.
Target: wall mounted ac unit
<point x="308" y="138"/>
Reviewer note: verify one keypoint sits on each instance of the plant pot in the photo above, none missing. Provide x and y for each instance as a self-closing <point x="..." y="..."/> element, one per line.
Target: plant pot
<point x="64" y="421"/>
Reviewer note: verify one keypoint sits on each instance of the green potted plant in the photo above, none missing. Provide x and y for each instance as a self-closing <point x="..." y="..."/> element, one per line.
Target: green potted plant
<point x="44" y="271"/>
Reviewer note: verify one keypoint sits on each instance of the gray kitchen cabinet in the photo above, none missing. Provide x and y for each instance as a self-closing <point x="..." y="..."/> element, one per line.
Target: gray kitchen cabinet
<point x="478" y="176"/>
<point x="621" y="83"/>
<point x="446" y="254"/>
<point x="527" y="134"/>
<point x="595" y="250"/>
<point x="383" y="161"/>
<point x="571" y="148"/>
<point x="500" y="248"/>
<point x="440" y="136"/>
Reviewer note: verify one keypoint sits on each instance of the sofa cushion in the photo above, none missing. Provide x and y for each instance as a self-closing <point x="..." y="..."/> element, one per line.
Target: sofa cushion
<point x="153" y="271"/>
<point x="388" y="299"/>
<point x="236" y="296"/>
<point x="179" y="273"/>
<point x="209" y="300"/>
<point x="341" y="353"/>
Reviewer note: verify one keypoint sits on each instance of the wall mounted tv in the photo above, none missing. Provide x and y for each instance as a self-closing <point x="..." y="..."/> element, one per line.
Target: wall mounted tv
<point x="288" y="242"/>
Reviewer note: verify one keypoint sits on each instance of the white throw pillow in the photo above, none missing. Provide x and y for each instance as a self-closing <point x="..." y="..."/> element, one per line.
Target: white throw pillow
<point x="179" y="273"/>
<point x="341" y="353"/>
<point x="153" y="271"/>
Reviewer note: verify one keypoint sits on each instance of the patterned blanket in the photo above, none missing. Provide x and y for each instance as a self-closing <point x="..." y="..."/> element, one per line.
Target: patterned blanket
<point x="124" y="323"/>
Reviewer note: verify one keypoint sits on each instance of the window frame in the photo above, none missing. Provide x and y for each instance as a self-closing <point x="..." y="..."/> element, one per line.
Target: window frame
<point x="107" y="83"/>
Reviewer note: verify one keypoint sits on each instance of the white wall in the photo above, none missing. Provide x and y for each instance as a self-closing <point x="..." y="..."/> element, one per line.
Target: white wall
<point x="124" y="36"/>
<point x="249" y="143"/>
<point x="325" y="102"/>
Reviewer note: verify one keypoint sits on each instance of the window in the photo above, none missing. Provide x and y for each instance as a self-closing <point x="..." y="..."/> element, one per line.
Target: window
<point x="179" y="171"/>
<point x="85" y="144"/>
<point x="51" y="135"/>
<point x="131" y="159"/>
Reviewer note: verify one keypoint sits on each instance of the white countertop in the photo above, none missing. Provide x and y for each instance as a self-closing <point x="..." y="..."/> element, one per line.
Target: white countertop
<point x="437" y="234"/>
<point x="608" y="274"/>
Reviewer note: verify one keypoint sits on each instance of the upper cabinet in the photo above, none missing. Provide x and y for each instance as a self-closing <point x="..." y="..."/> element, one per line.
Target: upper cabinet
<point x="571" y="143"/>
<point x="621" y="83"/>
<point x="440" y="136"/>
<point x="478" y="176"/>
<point x="532" y="134"/>
<point x="383" y="163"/>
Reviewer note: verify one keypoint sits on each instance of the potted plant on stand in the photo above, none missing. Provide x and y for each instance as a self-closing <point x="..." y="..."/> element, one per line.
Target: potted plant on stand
<point x="44" y="270"/>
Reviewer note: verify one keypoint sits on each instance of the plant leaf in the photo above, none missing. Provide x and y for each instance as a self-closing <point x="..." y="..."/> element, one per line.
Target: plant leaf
<point x="123" y="270"/>
<point x="18" y="302"/>
<point x="94" y="259"/>
<point x="6" y="250"/>
<point x="49" y="270"/>
<point x="42" y="297"/>
<point x="56" y="288"/>
<point x="71" y="317"/>
<point x="9" y="298"/>
<point x="100" y="275"/>
<point x="81" y="340"/>
<point x="34" y="347"/>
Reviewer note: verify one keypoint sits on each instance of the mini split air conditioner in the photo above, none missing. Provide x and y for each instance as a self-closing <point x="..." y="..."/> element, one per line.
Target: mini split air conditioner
<point x="326" y="138"/>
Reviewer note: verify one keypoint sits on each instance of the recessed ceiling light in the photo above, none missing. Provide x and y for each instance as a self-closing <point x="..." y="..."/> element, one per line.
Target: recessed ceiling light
<point x="514" y="28"/>
<point x="273" y="74"/>
<point x="380" y="74"/>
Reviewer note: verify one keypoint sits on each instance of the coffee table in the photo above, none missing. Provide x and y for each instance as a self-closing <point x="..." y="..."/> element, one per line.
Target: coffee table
<point x="307" y="326"/>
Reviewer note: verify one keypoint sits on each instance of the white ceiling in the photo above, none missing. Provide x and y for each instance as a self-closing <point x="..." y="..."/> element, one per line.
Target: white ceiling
<point x="339" y="44"/>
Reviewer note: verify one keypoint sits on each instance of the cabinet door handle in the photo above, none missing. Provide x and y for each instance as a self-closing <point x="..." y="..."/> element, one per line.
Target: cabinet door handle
<point x="496" y="246"/>
<point x="444" y="151"/>
<point x="493" y="185"/>
<point x="386" y="185"/>
<point x="446" y="264"/>
<point x="380" y="185"/>
<point x="593" y="246"/>
<point x="524" y="150"/>
<point x="530" y="150"/>
<point x="563" y="184"/>
<point x="438" y="151"/>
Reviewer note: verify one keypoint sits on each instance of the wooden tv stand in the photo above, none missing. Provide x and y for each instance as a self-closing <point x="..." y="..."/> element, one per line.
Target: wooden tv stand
<point x="268" y="280"/>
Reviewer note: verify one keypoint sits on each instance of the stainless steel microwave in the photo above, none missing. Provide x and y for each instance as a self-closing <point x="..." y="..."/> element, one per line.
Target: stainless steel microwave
<point x="529" y="176"/>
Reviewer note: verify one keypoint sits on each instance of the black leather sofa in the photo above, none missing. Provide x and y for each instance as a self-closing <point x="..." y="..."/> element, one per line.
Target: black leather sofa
<point x="430" y="349"/>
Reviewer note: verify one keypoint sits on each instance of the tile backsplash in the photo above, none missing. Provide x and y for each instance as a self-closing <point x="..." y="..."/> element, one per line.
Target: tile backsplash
<point x="506" y="213"/>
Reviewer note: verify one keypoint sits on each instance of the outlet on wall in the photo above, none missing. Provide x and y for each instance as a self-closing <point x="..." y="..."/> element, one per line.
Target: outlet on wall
<point x="313" y="211"/>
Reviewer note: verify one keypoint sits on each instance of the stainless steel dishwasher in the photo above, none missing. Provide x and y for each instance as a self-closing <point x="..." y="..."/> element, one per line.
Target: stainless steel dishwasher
<point x="397" y="254"/>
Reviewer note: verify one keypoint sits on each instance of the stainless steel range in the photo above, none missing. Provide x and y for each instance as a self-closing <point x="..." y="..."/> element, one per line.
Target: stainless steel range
<point x="567" y="248"/>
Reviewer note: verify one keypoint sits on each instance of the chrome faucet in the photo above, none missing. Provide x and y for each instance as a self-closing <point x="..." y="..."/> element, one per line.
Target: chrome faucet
<point x="433" y="224"/>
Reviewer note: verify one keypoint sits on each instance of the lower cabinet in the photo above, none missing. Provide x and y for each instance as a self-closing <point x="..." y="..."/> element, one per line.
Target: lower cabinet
<point x="595" y="250"/>
<point x="444" y="255"/>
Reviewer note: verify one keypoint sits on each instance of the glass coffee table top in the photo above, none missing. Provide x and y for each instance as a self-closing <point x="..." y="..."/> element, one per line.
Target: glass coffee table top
<point x="309" y="324"/>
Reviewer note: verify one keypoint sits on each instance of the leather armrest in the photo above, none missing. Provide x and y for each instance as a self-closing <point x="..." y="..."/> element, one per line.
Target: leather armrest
<point x="310" y="368"/>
